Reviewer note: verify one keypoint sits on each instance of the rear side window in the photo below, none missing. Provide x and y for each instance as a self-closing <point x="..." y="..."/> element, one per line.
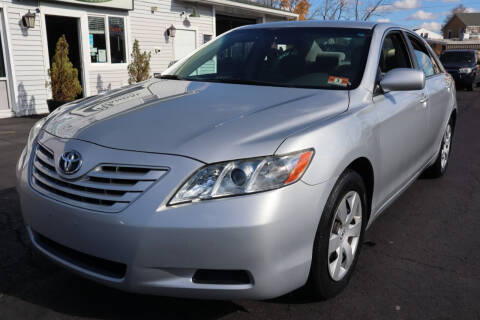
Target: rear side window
<point x="394" y="53"/>
<point x="425" y="61"/>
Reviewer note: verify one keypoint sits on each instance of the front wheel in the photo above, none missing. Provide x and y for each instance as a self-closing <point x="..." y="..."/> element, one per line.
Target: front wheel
<point x="339" y="236"/>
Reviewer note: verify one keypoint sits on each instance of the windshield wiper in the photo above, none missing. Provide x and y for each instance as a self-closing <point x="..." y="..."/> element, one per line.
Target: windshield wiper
<point x="171" y="77"/>
<point x="245" y="81"/>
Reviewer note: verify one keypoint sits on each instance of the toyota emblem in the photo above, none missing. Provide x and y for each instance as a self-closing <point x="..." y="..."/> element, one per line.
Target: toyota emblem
<point x="70" y="162"/>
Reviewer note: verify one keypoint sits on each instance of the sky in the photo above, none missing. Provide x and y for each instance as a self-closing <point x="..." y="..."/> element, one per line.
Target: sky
<point x="429" y="14"/>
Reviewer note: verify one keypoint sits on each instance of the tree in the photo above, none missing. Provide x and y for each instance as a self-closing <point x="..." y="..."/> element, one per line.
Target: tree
<point x="139" y="68"/>
<point x="63" y="76"/>
<point x="300" y="7"/>
<point x="458" y="9"/>
<point x="357" y="10"/>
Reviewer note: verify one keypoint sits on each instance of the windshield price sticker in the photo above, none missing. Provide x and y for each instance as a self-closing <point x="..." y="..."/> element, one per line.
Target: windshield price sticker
<point x="339" y="81"/>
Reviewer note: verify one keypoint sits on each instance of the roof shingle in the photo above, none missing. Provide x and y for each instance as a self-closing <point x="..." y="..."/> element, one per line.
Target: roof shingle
<point x="469" y="19"/>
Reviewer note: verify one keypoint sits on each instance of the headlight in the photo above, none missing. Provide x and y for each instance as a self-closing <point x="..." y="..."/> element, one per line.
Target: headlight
<point x="465" y="70"/>
<point x="243" y="176"/>
<point x="35" y="131"/>
<point x="31" y="139"/>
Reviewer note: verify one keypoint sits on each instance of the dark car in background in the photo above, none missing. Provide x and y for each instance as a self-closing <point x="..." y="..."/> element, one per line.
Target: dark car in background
<point x="463" y="66"/>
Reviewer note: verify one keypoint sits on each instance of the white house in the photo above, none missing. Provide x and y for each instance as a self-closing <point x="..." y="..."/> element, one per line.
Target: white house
<point x="100" y="34"/>
<point x="427" y="34"/>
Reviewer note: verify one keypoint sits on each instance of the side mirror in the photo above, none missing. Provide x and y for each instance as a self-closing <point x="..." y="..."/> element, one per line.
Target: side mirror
<point x="403" y="79"/>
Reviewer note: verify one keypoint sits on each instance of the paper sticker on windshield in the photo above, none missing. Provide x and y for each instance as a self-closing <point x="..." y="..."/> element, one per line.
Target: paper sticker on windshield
<point x="338" y="81"/>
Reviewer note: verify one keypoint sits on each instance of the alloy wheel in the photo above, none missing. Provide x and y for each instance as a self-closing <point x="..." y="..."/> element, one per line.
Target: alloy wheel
<point x="344" y="235"/>
<point x="447" y="139"/>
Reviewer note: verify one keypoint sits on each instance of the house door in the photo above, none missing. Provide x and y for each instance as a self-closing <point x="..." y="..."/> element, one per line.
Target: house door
<point x="4" y="90"/>
<point x="68" y="26"/>
<point x="184" y="43"/>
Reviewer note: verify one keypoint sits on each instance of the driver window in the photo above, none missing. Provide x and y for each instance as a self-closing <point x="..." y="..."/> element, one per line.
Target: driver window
<point x="394" y="53"/>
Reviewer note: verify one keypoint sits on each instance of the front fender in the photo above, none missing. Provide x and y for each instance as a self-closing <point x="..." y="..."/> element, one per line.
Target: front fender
<point x="337" y="142"/>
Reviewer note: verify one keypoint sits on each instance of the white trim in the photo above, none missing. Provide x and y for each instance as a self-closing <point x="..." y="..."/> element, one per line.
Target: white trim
<point x="214" y="22"/>
<point x="6" y="114"/>
<point x="11" y="67"/>
<point x="49" y="10"/>
<point x="4" y="45"/>
<point x="250" y="7"/>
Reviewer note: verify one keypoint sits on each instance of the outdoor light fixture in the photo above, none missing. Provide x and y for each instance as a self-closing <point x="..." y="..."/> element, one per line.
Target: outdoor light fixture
<point x="171" y="31"/>
<point x="28" y="20"/>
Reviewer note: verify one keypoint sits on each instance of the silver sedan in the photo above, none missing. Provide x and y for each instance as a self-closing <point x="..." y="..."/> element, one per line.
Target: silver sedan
<point x="252" y="167"/>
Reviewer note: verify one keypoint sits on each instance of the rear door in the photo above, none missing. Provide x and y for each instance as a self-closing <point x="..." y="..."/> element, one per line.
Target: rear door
<point x="403" y="122"/>
<point x="438" y="89"/>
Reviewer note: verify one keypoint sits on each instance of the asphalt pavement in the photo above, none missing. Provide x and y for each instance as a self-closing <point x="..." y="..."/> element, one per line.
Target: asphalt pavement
<point x="422" y="260"/>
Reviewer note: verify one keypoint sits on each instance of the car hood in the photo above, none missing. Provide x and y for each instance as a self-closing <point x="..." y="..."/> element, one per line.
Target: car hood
<point x="203" y="120"/>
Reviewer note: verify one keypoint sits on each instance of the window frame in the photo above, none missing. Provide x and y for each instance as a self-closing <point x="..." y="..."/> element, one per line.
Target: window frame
<point x="413" y="62"/>
<point x="432" y="56"/>
<point x="106" y="19"/>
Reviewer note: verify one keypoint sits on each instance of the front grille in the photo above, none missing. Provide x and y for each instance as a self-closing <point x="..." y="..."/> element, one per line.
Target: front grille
<point x="108" y="187"/>
<point x="101" y="266"/>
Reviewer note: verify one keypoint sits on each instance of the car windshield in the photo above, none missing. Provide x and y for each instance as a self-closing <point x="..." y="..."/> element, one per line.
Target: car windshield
<point x="326" y="58"/>
<point x="458" y="56"/>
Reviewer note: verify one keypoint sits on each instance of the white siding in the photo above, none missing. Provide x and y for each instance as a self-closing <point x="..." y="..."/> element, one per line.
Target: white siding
<point x="28" y="60"/>
<point x="149" y="28"/>
<point x="104" y="80"/>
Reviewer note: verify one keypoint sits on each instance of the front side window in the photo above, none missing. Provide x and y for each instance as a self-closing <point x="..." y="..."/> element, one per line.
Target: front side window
<point x="117" y="39"/>
<point x="324" y="58"/>
<point x="394" y="53"/>
<point x="423" y="58"/>
<point x="97" y="39"/>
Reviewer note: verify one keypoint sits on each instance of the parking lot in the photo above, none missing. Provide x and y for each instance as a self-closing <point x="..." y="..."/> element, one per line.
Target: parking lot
<point x="421" y="260"/>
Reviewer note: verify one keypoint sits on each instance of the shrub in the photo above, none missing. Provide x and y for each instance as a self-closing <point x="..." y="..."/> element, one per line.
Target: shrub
<point x="63" y="76"/>
<point x="139" y="68"/>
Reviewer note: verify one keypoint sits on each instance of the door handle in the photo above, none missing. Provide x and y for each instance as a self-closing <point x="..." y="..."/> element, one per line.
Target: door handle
<point x="424" y="98"/>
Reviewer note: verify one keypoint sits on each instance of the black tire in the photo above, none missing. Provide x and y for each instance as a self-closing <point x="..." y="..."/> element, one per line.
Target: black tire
<point x="321" y="283"/>
<point x="437" y="170"/>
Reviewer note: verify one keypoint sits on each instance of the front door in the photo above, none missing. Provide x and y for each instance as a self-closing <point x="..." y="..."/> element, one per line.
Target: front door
<point x="68" y="26"/>
<point x="184" y="43"/>
<point x="403" y="118"/>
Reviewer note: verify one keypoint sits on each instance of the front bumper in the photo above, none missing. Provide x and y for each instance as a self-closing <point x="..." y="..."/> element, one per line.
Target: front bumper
<point x="270" y="235"/>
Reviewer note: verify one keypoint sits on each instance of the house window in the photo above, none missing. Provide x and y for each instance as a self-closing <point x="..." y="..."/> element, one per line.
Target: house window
<point x="207" y="38"/>
<point x="449" y="34"/>
<point x="115" y="37"/>
<point x="97" y="39"/>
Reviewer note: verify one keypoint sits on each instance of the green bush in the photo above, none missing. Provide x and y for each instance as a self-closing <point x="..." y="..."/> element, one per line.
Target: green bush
<point x="63" y="76"/>
<point x="139" y="68"/>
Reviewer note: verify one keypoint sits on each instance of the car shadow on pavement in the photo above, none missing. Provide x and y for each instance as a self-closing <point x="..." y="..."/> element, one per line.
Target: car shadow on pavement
<point x="28" y="276"/>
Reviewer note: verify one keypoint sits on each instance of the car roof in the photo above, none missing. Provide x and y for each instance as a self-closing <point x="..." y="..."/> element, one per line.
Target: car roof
<point x="314" y="24"/>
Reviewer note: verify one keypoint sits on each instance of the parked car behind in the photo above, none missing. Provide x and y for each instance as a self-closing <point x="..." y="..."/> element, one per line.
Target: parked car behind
<point x="463" y="65"/>
<point x="252" y="168"/>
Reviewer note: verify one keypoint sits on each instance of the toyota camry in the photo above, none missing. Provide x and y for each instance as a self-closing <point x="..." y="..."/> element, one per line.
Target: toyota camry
<point x="248" y="169"/>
